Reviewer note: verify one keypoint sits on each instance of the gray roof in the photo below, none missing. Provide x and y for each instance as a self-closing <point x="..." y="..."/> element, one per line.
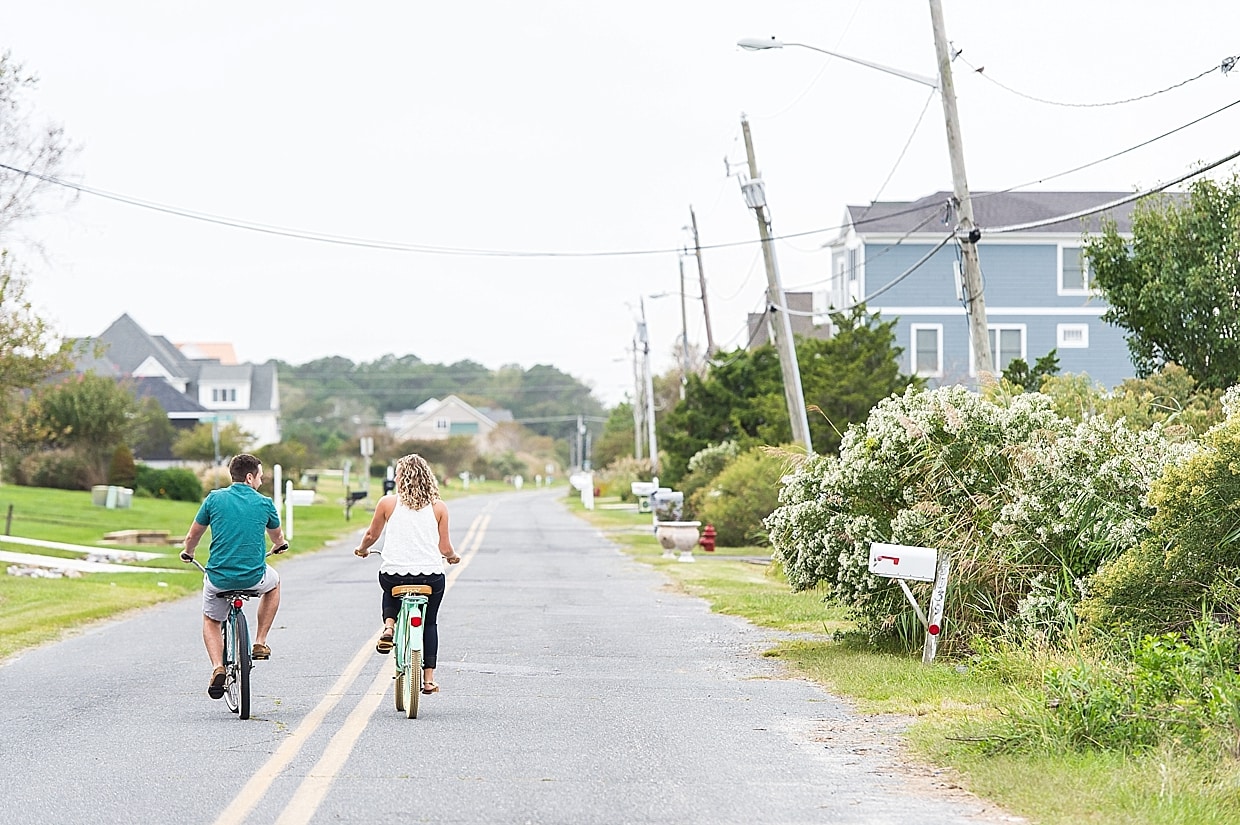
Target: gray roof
<point x="127" y="345"/>
<point x="995" y="209"/>
<point x="167" y="395"/>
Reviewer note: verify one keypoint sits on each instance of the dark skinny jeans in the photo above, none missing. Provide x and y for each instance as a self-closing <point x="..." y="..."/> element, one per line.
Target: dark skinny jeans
<point x="430" y="627"/>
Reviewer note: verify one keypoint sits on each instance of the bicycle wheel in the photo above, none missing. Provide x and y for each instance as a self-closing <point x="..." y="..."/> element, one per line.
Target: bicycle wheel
<point x="412" y="683"/>
<point x="239" y="685"/>
<point x="400" y="690"/>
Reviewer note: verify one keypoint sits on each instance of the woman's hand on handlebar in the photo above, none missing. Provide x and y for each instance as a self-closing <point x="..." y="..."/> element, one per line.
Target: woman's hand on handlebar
<point x="360" y="553"/>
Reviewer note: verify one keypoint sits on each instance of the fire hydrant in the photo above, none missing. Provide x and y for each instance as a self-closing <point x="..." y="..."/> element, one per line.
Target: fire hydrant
<point x="708" y="538"/>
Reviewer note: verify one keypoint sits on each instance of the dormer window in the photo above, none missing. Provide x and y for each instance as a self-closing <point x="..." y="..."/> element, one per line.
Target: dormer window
<point x="223" y="395"/>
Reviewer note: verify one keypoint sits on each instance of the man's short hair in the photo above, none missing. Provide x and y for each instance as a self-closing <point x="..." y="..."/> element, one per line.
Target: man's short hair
<point x="242" y="465"/>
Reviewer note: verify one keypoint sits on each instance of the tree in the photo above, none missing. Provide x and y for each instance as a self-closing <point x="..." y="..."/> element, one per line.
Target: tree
<point x="199" y="444"/>
<point x="742" y="399"/>
<point x="150" y="431"/>
<point x="1175" y="287"/>
<point x="28" y="354"/>
<point x="617" y="440"/>
<point x="845" y="375"/>
<point x="89" y="415"/>
<point x="1020" y="374"/>
<point x="36" y="152"/>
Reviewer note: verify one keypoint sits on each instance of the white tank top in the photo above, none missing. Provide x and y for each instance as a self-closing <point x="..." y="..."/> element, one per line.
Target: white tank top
<point x="411" y="542"/>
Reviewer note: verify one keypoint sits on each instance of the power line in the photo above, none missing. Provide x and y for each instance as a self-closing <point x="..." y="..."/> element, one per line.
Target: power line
<point x="1225" y="66"/>
<point x="1112" y="156"/>
<point x="1020" y="227"/>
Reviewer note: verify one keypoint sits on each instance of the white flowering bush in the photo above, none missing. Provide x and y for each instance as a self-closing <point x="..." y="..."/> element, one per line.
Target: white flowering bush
<point x="1013" y="491"/>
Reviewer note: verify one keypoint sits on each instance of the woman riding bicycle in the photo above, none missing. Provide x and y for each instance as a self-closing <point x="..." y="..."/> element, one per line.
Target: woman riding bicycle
<point x="414" y="522"/>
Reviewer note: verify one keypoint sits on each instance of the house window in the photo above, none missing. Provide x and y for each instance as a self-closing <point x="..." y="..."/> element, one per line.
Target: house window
<point x="1007" y="343"/>
<point x="927" y="349"/>
<point x="1072" y="336"/>
<point x="219" y="395"/>
<point x="1074" y="275"/>
<point x="443" y="424"/>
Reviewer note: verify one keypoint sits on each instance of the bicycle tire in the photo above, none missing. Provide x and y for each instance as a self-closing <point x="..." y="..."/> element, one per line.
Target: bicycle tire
<point x="400" y="691"/>
<point x="230" y="665"/>
<point x="243" y="665"/>
<point x="413" y="683"/>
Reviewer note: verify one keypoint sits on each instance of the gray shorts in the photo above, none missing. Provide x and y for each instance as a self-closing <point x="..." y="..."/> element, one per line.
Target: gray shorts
<point x="216" y="608"/>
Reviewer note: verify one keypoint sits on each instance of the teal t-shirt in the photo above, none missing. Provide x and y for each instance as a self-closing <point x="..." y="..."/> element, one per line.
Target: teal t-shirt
<point x="239" y="517"/>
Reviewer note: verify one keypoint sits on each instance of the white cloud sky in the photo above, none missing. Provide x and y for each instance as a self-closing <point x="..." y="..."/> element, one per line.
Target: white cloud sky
<point x="554" y="126"/>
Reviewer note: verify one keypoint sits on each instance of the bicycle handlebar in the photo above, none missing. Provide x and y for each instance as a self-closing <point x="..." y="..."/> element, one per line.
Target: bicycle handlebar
<point x="275" y="551"/>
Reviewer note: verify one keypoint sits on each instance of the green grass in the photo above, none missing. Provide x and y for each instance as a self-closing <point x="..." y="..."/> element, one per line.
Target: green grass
<point x="947" y="704"/>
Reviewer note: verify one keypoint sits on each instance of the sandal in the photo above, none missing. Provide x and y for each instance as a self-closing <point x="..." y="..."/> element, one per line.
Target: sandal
<point x="216" y="688"/>
<point x="260" y="652"/>
<point x="384" y="645"/>
<point x="430" y="687"/>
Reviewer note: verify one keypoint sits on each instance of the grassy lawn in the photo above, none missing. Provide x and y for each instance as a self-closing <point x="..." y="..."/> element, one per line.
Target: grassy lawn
<point x="34" y="611"/>
<point x="949" y="701"/>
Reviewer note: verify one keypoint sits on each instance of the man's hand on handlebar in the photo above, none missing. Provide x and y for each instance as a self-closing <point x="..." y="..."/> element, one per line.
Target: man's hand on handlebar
<point x="187" y="556"/>
<point x="275" y="551"/>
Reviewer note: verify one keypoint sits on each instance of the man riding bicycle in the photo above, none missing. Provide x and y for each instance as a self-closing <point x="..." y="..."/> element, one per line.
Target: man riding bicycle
<point x="238" y="516"/>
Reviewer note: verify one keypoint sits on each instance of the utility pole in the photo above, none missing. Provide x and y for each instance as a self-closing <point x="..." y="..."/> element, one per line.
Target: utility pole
<point x="755" y="198"/>
<point x="967" y="234"/>
<point x="697" y="251"/>
<point x="649" y="376"/>
<point x="684" y="332"/>
<point x="638" y="403"/>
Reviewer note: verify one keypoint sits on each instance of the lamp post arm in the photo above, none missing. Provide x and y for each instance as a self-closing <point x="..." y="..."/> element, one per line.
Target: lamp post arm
<point x="756" y="44"/>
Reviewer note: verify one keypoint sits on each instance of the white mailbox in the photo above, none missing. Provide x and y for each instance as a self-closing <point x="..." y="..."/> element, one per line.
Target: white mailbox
<point x="901" y="561"/>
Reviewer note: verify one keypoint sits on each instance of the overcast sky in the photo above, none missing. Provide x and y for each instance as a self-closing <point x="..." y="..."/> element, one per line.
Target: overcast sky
<point x="532" y="139"/>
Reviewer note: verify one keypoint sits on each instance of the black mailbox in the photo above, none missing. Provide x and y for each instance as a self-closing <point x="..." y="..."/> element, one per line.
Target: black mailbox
<point x="356" y="495"/>
<point x="389" y="484"/>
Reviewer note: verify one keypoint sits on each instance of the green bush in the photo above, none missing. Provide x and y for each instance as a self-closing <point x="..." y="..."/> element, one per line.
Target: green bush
<point x="617" y="478"/>
<point x="64" y="469"/>
<point x="1194" y="543"/>
<point x="122" y="472"/>
<point x="1172" y="689"/>
<point x="705" y="465"/>
<point x="175" y="483"/>
<point x="741" y="496"/>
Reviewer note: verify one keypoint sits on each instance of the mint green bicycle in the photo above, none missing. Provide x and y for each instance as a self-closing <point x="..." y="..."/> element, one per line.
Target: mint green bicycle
<point x="407" y="645"/>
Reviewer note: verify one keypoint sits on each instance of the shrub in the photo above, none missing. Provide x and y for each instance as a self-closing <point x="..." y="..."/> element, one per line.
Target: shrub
<point x="705" y="465"/>
<point x="64" y="469"/>
<point x="1168" y="689"/>
<point x="616" y="478"/>
<point x="175" y="483"/>
<point x="741" y="496"/>
<point x="122" y="472"/>
<point x="1193" y="545"/>
<point x="1011" y="490"/>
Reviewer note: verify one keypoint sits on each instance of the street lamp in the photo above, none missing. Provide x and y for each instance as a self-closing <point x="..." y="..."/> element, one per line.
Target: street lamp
<point x="967" y="234"/>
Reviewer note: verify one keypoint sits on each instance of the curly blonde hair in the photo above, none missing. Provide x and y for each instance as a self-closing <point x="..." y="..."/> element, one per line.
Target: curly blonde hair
<point x="416" y="486"/>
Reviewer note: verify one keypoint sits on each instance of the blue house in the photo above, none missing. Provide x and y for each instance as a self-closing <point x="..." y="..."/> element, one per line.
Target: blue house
<point x="1037" y="286"/>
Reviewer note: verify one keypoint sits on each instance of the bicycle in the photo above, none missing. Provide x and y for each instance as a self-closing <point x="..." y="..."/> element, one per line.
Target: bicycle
<point x="407" y="643"/>
<point x="237" y="661"/>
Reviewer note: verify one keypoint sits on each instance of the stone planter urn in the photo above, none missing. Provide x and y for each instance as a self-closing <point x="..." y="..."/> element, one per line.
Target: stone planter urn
<point x="677" y="535"/>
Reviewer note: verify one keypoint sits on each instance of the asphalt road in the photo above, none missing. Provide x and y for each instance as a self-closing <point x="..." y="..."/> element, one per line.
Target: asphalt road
<point x="576" y="688"/>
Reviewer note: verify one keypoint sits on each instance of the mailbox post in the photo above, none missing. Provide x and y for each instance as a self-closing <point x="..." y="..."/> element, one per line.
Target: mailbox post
<point x="925" y="564"/>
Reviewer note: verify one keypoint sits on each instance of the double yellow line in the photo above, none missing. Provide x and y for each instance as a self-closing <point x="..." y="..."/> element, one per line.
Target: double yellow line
<point x="310" y="793"/>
